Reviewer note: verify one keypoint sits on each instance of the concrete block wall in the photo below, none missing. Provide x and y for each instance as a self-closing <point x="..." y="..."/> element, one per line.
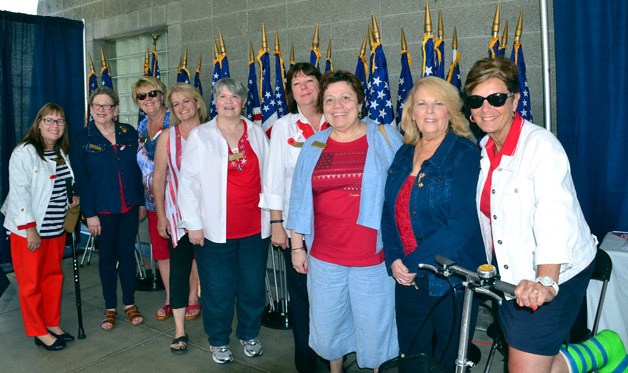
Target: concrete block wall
<point x="194" y="24"/>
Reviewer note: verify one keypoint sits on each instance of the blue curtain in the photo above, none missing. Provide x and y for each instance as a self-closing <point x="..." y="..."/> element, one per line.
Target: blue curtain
<point x="592" y="105"/>
<point x="41" y="60"/>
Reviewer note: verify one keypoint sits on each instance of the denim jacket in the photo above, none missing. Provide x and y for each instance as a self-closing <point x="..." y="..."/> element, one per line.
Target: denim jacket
<point x="96" y="167"/>
<point x="442" y="209"/>
<point x="378" y="157"/>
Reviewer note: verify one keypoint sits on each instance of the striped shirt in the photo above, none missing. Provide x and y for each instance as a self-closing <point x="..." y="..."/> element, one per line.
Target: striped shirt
<point x="52" y="225"/>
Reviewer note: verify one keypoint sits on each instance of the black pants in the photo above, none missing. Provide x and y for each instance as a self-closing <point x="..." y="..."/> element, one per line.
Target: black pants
<point x="304" y="357"/>
<point x="181" y="259"/>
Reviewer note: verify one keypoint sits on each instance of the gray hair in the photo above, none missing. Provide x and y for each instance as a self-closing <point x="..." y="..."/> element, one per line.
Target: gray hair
<point x="232" y="86"/>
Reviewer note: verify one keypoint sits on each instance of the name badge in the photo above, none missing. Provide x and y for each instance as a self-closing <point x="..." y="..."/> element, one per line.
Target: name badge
<point x="95" y="147"/>
<point x="298" y="144"/>
<point x="318" y="144"/>
<point x="235" y="156"/>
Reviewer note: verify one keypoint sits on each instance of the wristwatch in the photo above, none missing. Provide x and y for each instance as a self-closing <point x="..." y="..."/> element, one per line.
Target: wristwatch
<point x="547" y="281"/>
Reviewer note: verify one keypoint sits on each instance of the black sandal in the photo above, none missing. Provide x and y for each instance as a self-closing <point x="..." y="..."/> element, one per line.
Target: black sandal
<point x="178" y="341"/>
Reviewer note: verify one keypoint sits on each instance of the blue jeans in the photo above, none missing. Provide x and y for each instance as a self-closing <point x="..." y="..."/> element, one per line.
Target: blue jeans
<point x="230" y="271"/>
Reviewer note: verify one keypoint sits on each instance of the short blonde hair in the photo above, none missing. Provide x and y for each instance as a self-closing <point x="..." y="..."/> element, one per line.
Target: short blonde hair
<point x="147" y="81"/>
<point x="443" y="91"/>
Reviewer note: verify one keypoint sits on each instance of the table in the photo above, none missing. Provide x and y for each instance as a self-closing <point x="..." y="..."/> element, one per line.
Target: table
<point x="614" y="312"/>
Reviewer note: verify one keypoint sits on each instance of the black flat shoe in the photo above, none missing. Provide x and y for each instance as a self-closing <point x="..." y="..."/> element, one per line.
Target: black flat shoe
<point x="58" y="345"/>
<point x="65" y="337"/>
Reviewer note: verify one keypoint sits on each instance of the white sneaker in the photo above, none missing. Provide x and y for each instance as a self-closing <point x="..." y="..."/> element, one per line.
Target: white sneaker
<point x="221" y="354"/>
<point x="252" y="347"/>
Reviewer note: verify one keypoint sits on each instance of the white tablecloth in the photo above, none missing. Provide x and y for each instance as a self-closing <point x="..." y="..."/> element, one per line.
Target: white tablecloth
<point x="615" y="309"/>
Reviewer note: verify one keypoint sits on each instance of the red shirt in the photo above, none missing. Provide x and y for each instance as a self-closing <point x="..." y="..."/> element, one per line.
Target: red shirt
<point x="507" y="149"/>
<point x="243" y="189"/>
<point x="337" y="187"/>
<point x="402" y="216"/>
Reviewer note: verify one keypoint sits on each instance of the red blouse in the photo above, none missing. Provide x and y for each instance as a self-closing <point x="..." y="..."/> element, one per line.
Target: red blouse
<point x="337" y="187"/>
<point x="402" y="216"/>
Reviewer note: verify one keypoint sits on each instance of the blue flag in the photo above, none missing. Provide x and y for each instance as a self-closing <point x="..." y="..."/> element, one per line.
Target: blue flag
<point x="493" y="47"/>
<point x="269" y="109"/>
<point x="105" y="77"/>
<point x="429" y="68"/>
<point x="183" y="76"/>
<point x="453" y="76"/>
<point x="360" y="73"/>
<point x="92" y="84"/>
<point x="524" y="107"/>
<point x="154" y="65"/>
<point x="380" y="108"/>
<point x="280" y="85"/>
<point x="439" y="57"/>
<point x="197" y="80"/>
<point x="315" y="57"/>
<point x="253" y="110"/>
<point x="405" y="83"/>
<point x="329" y="66"/>
<point x="215" y="77"/>
<point x="224" y="66"/>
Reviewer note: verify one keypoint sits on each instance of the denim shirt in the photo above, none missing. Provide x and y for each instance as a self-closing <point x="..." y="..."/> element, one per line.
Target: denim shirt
<point x="442" y="210"/>
<point x="378" y="158"/>
<point x="97" y="165"/>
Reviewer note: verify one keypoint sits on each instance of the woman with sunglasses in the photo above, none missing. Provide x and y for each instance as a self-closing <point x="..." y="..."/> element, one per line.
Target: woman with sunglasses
<point x="34" y="210"/>
<point x="429" y="210"/>
<point x="531" y="222"/>
<point x="148" y="93"/>
<point x="110" y="185"/>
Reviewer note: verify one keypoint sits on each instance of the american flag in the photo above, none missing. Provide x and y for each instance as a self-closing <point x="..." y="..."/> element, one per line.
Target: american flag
<point x="197" y="80"/>
<point x="280" y="85"/>
<point x="215" y="78"/>
<point x="428" y="55"/>
<point x="453" y="76"/>
<point x="105" y="76"/>
<point x="92" y="84"/>
<point x="380" y="108"/>
<point x="269" y="109"/>
<point x="253" y="110"/>
<point x="523" y="107"/>
<point x="405" y="82"/>
<point x="183" y="76"/>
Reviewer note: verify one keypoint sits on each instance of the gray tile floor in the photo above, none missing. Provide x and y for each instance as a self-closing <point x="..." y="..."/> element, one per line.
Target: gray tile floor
<point x="144" y="348"/>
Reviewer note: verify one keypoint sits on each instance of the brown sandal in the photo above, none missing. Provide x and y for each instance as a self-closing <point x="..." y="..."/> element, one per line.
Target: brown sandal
<point x="133" y="313"/>
<point x="109" y="318"/>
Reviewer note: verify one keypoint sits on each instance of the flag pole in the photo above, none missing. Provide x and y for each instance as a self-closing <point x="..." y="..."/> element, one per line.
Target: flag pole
<point x="547" y="113"/>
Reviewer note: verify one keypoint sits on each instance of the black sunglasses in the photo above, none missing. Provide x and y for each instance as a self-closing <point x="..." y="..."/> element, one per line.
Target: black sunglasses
<point x="495" y="100"/>
<point x="142" y="96"/>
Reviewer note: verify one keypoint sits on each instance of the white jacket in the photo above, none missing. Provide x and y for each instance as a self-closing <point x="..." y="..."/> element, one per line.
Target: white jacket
<point x="202" y="194"/>
<point x="31" y="182"/>
<point x="535" y="214"/>
<point x="281" y="162"/>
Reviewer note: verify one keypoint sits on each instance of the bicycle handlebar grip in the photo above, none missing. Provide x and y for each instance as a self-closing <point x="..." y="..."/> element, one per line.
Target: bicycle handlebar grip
<point x="505" y="287"/>
<point x="443" y="260"/>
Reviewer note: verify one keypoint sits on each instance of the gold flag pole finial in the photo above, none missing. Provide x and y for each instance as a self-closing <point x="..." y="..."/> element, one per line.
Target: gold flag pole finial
<point x="363" y="47"/>
<point x="292" y="54"/>
<point x="454" y="39"/>
<point x="180" y="63"/>
<point x="215" y="50"/>
<point x="200" y="61"/>
<point x="315" y="38"/>
<point x="371" y="37"/>
<point x="428" y="19"/>
<point x="91" y="63"/>
<point x="251" y="52"/>
<point x="404" y="45"/>
<point x="329" y="49"/>
<point x="441" y="28"/>
<point x="504" y="40"/>
<point x="376" y="34"/>
<point x="519" y="29"/>
<point x="185" y="57"/>
<point x="103" y="60"/>
<point x="277" y="47"/>
<point x="264" y="40"/>
<point x="496" y="21"/>
<point x="223" y="49"/>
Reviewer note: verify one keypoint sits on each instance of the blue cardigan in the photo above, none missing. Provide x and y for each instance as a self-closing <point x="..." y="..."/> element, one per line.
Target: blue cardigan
<point x="96" y="166"/>
<point x="442" y="209"/>
<point x="379" y="155"/>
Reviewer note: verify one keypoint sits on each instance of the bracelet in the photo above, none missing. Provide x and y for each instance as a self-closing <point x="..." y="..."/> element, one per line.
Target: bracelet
<point x="294" y="251"/>
<point x="278" y="221"/>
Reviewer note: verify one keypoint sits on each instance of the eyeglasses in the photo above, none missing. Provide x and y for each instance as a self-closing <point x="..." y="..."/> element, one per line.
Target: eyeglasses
<point x="50" y="122"/>
<point x="105" y="107"/>
<point x="495" y="100"/>
<point x="142" y="96"/>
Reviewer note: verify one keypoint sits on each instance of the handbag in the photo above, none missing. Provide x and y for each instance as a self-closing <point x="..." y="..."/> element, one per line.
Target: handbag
<point x="71" y="218"/>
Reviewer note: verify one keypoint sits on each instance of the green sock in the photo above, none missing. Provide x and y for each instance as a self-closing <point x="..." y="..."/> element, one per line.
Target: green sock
<point x="605" y="352"/>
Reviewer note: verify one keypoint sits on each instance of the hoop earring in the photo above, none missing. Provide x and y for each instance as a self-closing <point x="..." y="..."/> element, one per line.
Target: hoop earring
<point x="471" y="118"/>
